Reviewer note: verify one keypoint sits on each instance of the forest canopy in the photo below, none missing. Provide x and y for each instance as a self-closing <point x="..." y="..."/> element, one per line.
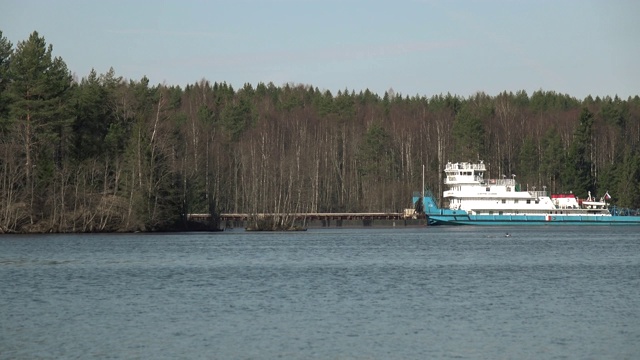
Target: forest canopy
<point x="104" y="153"/>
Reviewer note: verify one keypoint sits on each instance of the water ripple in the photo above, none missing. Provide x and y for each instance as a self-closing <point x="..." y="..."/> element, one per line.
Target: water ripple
<point x="464" y="293"/>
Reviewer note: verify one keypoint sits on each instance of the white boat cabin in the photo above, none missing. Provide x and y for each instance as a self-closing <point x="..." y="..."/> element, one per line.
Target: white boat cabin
<point x="468" y="190"/>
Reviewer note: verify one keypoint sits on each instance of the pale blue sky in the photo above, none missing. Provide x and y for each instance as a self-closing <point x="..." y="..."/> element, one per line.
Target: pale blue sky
<point x="419" y="47"/>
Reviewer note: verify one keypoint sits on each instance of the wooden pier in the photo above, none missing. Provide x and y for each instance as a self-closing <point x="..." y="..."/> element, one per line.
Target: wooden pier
<point x="326" y="218"/>
<point x="303" y="216"/>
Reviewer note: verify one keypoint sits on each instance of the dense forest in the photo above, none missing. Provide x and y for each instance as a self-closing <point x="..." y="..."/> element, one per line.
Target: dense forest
<point x="103" y="153"/>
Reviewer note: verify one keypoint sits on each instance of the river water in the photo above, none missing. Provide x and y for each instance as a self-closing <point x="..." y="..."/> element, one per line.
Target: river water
<point x="367" y="293"/>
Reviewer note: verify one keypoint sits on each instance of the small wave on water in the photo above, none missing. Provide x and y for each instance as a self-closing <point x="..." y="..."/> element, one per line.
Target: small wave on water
<point x="34" y="262"/>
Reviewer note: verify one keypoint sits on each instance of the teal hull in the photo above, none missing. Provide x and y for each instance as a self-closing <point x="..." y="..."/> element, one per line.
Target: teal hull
<point x="437" y="216"/>
<point x="445" y="217"/>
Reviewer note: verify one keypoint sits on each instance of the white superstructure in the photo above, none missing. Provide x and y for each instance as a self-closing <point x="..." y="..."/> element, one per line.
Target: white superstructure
<point x="468" y="190"/>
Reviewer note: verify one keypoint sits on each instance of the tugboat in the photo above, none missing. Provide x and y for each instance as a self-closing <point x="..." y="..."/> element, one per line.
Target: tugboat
<point x="474" y="200"/>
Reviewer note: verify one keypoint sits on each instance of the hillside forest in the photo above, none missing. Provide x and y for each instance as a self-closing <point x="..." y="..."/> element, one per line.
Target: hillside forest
<point x="102" y="153"/>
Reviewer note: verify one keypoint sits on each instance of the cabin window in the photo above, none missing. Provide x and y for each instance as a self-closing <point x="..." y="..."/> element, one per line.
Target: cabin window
<point x="504" y="201"/>
<point x="508" y="188"/>
<point x="537" y="201"/>
<point x="528" y="201"/>
<point x="515" y="201"/>
<point x="488" y="188"/>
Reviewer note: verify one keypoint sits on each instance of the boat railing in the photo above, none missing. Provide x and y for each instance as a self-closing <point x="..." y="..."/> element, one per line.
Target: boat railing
<point x="501" y="182"/>
<point x="537" y="194"/>
<point x="465" y="166"/>
<point x="616" y="211"/>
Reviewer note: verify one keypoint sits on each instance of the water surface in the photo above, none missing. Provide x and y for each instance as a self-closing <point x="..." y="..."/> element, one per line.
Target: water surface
<point x="390" y="293"/>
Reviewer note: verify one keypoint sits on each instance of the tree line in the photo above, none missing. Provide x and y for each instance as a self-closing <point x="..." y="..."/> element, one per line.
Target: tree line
<point x="103" y="153"/>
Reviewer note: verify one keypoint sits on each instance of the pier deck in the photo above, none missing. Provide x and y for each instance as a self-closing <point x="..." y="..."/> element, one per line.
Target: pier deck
<point x="305" y="216"/>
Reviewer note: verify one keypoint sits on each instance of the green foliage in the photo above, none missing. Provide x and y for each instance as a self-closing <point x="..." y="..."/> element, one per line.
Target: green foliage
<point x="291" y="98"/>
<point x="39" y="85"/>
<point x="521" y="99"/>
<point x="542" y="101"/>
<point x="344" y="106"/>
<point x="324" y="103"/>
<point x="606" y="181"/>
<point x="449" y="102"/>
<point x="528" y="161"/>
<point x="627" y="191"/>
<point x="553" y="160"/>
<point x="578" y="176"/>
<point x="175" y="97"/>
<point x="115" y="140"/>
<point x="376" y="154"/>
<point x="367" y="97"/>
<point x="206" y="115"/>
<point x="39" y="109"/>
<point x="468" y="134"/>
<point x="109" y="154"/>
<point x="237" y="118"/>
<point x="614" y="112"/>
<point x="142" y="98"/>
<point x="94" y="116"/>
<point x="6" y="51"/>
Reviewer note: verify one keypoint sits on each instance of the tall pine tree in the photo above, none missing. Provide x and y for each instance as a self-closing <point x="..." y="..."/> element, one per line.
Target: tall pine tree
<point x="6" y="50"/>
<point x="39" y="111"/>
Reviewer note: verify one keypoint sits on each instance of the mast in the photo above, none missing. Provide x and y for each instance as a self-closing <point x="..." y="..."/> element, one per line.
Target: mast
<point x="423" y="182"/>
